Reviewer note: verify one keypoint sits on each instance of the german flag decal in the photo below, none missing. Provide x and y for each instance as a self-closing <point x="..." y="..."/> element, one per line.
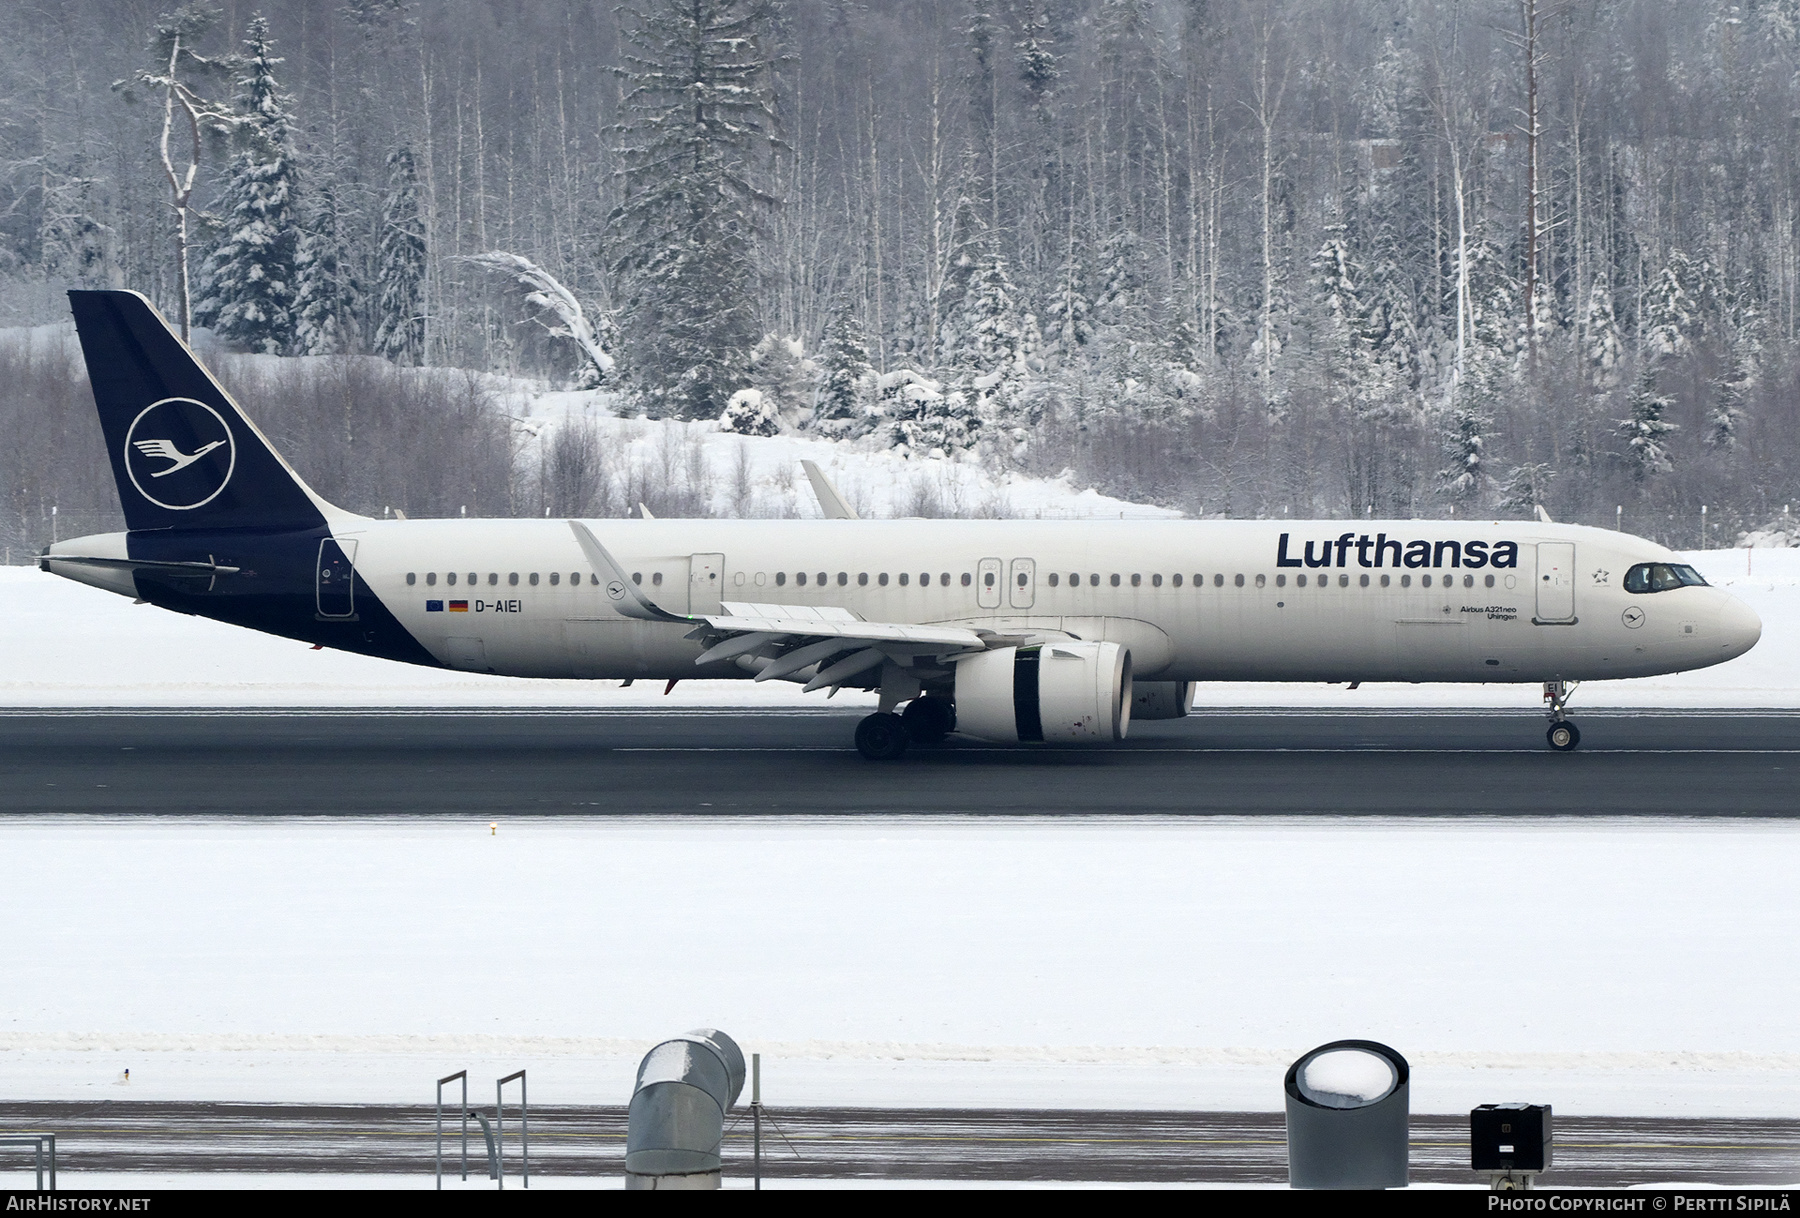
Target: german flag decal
<point x="459" y="606"/>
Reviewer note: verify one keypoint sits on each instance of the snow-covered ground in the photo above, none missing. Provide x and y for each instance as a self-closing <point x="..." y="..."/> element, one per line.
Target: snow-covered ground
<point x="64" y="644"/>
<point x="1607" y="967"/>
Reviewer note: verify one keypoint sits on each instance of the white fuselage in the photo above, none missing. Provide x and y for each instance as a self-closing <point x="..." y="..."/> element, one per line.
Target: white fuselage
<point x="1402" y="600"/>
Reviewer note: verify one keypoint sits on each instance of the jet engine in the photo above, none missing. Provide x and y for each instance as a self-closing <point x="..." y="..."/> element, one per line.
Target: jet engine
<point x="1074" y="692"/>
<point x="1161" y="699"/>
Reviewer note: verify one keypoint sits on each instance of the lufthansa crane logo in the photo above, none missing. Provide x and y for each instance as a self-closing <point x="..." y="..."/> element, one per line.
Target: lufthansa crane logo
<point x="179" y="453"/>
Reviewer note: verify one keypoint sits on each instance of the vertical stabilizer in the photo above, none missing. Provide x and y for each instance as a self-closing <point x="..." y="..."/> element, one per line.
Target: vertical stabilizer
<point x="184" y="455"/>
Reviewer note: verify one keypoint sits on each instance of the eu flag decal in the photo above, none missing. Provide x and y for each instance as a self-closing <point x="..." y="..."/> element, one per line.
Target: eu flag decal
<point x="434" y="606"/>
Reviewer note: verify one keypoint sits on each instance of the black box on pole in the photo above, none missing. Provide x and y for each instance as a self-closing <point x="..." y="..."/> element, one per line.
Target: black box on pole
<point x="1509" y="1138"/>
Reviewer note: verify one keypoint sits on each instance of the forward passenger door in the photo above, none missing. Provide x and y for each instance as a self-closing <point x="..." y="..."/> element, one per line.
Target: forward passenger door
<point x="1555" y="581"/>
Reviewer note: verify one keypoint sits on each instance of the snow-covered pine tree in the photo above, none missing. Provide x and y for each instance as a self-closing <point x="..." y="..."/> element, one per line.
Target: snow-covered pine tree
<point x="1466" y="427"/>
<point x="846" y="393"/>
<point x="1645" y="433"/>
<point x="1069" y="313"/>
<point x="326" y="294"/>
<point x="1731" y="390"/>
<point x="1603" y="350"/>
<point x="786" y="378"/>
<point x="247" y="286"/>
<point x="994" y="341"/>
<point x="696" y="135"/>
<point x="400" y="265"/>
<point x="1671" y="314"/>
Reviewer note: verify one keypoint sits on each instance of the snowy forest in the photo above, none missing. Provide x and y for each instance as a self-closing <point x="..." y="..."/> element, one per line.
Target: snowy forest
<point x="1236" y="257"/>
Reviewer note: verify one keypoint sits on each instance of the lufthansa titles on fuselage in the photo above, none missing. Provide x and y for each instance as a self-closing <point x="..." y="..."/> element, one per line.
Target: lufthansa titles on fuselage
<point x="1414" y="553"/>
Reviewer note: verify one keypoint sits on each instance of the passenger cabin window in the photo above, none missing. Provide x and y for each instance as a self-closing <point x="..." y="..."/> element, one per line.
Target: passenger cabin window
<point x="493" y="579"/>
<point x="1115" y="581"/>
<point x="987" y="579"/>
<point x="800" y="579"/>
<point x="412" y="577"/>
<point x="513" y="579"/>
<point x="1343" y="581"/>
<point x="1661" y="577"/>
<point x="781" y="579"/>
<point x="821" y="579"/>
<point x="944" y="579"/>
<point x="1281" y="581"/>
<point x="1300" y="581"/>
<point x="1362" y="580"/>
<point x="451" y="579"/>
<point x="862" y="579"/>
<point x="904" y="578"/>
<point x="968" y="579"/>
<point x="1219" y="581"/>
<point x="534" y="579"/>
<point x="882" y="580"/>
<point x="656" y="579"/>
<point x="1022" y="579"/>
<point x="843" y="578"/>
<point x="556" y="578"/>
<point x="474" y="578"/>
<point x="1406" y="581"/>
<point x="1094" y="580"/>
<point x="1261" y="580"/>
<point x="1053" y="579"/>
<point x="1488" y="580"/>
<point x="637" y="577"/>
<point x="1239" y="581"/>
<point x="1137" y="581"/>
<point x="1176" y="579"/>
<point x="1156" y="581"/>
<point x="1386" y="579"/>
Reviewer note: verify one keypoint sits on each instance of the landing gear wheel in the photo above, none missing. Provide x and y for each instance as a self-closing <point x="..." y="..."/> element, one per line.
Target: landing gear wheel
<point x="881" y="737"/>
<point x="928" y="720"/>
<point x="1563" y="736"/>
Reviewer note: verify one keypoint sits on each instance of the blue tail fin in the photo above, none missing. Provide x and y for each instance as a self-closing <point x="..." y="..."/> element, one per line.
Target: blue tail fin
<point x="183" y="453"/>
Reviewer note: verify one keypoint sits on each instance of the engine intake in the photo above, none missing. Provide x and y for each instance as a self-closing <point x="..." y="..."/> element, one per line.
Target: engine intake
<point x="1061" y="692"/>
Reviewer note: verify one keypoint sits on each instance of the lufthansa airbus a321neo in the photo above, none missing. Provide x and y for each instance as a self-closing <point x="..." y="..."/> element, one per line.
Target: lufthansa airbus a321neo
<point x="1007" y="630"/>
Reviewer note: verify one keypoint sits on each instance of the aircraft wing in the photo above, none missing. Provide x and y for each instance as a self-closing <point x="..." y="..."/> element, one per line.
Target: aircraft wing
<point x="791" y="637"/>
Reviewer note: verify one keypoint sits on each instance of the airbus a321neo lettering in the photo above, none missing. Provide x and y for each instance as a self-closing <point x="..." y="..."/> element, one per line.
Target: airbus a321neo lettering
<point x="1006" y="630"/>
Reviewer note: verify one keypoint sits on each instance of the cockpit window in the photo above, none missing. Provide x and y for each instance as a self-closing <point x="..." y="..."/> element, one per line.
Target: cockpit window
<point x="1661" y="577"/>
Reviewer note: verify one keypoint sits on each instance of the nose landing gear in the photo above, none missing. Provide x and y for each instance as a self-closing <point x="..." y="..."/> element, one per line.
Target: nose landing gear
<point x="1563" y="735"/>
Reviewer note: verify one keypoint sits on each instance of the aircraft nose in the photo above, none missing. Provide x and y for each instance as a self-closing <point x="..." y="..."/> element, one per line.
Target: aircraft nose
<point x="1739" y="627"/>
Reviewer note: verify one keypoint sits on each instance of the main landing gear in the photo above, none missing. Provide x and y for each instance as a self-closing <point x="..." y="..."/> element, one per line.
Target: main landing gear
<point x="926" y="721"/>
<point x="1563" y="734"/>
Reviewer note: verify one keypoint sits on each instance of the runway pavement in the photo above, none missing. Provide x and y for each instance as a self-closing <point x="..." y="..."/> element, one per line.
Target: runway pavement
<point x="561" y="762"/>
<point x="839" y="1143"/>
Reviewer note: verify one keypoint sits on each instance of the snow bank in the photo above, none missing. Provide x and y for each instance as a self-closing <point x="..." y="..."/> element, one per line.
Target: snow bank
<point x="1042" y="963"/>
<point x="65" y="644"/>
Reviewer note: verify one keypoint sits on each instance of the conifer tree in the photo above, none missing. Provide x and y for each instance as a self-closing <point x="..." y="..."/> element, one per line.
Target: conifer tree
<point x="696" y="135"/>
<point x="847" y="388"/>
<point x="247" y="293"/>
<point x="400" y="265"/>
<point x="1646" y="431"/>
<point x="326" y="293"/>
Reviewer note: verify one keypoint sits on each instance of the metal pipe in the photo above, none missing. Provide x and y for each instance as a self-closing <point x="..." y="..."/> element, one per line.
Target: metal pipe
<point x="676" y="1124"/>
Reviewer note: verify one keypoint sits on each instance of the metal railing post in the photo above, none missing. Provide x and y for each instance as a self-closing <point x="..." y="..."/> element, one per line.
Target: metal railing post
<point x="524" y="1122"/>
<point x="439" y="1146"/>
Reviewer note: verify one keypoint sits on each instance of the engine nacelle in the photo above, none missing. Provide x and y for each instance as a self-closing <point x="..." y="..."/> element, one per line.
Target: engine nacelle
<point x="1060" y="692"/>
<point x="1161" y="699"/>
